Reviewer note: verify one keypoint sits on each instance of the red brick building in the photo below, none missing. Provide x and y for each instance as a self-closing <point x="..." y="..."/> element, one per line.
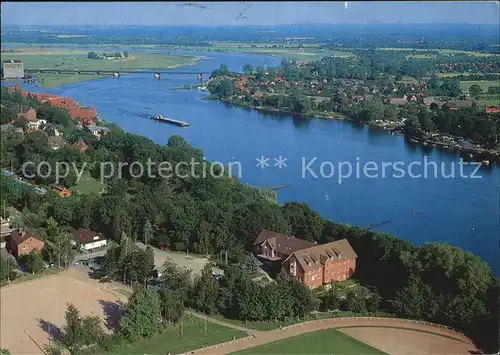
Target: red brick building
<point x="22" y="242"/>
<point x="274" y="246"/>
<point x="312" y="264"/>
<point x="322" y="264"/>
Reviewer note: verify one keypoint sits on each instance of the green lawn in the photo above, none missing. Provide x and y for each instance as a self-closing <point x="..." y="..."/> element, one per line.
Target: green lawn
<point x="51" y="80"/>
<point x="407" y="80"/>
<point x="489" y="102"/>
<point x="327" y="341"/>
<point x="484" y="84"/>
<point x="252" y="325"/>
<point x="88" y="185"/>
<point x="194" y="337"/>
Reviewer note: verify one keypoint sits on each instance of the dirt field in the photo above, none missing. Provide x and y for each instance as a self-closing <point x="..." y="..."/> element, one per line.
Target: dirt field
<point x="30" y="311"/>
<point x="406" y="342"/>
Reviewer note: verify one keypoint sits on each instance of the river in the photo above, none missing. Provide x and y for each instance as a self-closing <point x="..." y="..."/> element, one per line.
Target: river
<point x="463" y="212"/>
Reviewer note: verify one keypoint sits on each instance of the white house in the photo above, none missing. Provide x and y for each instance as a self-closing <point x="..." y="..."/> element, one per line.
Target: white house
<point x="36" y="124"/>
<point x="97" y="131"/>
<point x="89" y="240"/>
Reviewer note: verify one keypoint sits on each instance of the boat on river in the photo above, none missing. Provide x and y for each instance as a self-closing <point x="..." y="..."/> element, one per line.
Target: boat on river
<point x="160" y="118"/>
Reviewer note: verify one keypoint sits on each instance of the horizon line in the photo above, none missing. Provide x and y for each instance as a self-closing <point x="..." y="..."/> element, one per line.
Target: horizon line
<point x="375" y="23"/>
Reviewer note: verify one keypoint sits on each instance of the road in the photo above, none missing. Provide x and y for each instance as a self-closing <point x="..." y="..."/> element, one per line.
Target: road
<point x="90" y="255"/>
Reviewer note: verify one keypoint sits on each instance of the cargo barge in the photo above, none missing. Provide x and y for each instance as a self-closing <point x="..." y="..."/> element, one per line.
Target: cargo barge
<point x="160" y="118"/>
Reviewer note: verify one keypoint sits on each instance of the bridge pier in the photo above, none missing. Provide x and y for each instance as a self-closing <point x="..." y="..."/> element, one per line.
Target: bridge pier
<point x="157" y="76"/>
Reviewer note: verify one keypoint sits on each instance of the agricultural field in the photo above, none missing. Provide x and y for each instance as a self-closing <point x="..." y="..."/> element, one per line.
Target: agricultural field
<point x="447" y="52"/>
<point x="451" y="75"/>
<point x="77" y="59"/>
<point x="327" y="341"/>
<point x="484" y="84"/>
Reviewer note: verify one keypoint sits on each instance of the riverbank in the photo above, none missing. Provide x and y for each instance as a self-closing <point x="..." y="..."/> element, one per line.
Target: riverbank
<point x="438" y="140"/>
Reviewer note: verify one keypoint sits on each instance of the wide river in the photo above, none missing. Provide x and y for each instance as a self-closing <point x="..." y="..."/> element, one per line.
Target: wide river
<point x="460" y="210"/>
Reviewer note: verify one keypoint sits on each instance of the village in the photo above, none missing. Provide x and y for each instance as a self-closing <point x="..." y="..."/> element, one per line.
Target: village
<point x="431" y="111"/>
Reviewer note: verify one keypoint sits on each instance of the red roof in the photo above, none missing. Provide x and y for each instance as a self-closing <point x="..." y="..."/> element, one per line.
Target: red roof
<point x="492" y="109"/>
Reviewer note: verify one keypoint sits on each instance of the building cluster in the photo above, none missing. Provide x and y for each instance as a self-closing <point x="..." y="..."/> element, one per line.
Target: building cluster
<point x="312" y="264"/>
<point x="84" y="117"/>
<point x="22" y="241"/>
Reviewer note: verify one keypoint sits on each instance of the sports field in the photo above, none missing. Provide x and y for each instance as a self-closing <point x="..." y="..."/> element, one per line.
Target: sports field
<point x="328" y="341"/>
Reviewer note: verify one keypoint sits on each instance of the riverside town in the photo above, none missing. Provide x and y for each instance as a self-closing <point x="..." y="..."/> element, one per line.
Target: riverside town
<point x="250" y="178"/>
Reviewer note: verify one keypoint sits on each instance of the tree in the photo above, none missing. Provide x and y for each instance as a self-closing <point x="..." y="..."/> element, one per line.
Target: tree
<point x="475" y="90"/>
<point x="34" y="262"/>
<point x="248" y="69"/>
<point x="172" y="304"/>
<point x="91" y="330"/>
<point x="6" y="267"/>
<point x="355" y="302"/>
<point x="147" y="232"/>
<point x="142" y="316"/>
<point x="79" y="330"/>
<point x="60" y="248"/>
<point x="125" y="54"/>
<point x="5" y="352"/>
<point x="177" y="279"/>
<point x="72" y="332"/>
<point x="205" y="291"/>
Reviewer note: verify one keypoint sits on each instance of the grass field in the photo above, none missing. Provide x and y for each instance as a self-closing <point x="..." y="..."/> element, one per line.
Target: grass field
<point x="327" y="341"/>
<point x="489" y="102"/>
<point x="407" y="80"/>
<point x="77" y="59"/>
<point x="88" y="185"/>
<point x="484" y="84"/>
<point x="52" y="80"/>
<point x="193" y="337"/>
<point x="289" y="51"/>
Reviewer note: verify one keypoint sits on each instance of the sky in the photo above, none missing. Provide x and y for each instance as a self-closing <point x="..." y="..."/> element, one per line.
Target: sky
<point x="254" y="13"/>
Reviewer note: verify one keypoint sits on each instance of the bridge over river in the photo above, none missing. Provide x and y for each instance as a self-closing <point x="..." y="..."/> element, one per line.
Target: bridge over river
<point x="157" y="73"/>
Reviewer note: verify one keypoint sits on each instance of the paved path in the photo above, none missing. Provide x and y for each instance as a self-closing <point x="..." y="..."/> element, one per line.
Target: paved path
<point x="458" y="343"/>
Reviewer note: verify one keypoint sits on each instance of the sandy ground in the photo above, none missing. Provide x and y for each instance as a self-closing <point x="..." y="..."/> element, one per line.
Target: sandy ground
<point x="407" y="342"/>
<point x="32" y="310"/>
<point x="195" y="263"/>
<point x="410" y="338"/>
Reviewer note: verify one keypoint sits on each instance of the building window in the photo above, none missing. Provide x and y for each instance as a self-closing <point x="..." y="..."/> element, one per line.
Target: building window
<point x="293" y="268"/>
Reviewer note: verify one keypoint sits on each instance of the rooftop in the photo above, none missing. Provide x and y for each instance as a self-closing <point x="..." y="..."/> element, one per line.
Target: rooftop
<point x="314" y="257"/>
